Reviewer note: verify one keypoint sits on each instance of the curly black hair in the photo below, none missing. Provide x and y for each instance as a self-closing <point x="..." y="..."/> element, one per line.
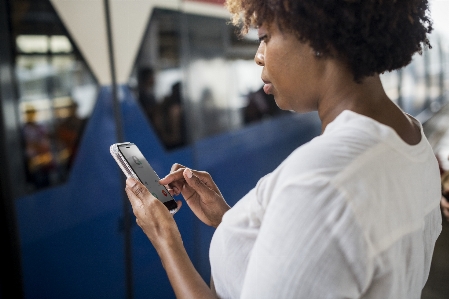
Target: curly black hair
<point x="371" y="36"/>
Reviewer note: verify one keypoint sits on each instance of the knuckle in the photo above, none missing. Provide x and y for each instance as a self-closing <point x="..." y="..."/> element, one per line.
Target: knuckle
<point x="139" y="190"/>
<point x="204" y="174"/>
<point x="175" y="167"/>
<point x="198" y="181"/>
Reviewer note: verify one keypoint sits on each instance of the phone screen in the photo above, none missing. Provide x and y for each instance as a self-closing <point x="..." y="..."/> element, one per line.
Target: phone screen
<point x="146" y="174"/>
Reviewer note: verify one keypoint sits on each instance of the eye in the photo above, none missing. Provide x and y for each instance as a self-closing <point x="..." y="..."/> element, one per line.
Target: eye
<point x="262" y="38"/>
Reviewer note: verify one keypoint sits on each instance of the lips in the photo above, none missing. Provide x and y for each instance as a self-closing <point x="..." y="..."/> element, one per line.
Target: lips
<point x="267" y="86"/>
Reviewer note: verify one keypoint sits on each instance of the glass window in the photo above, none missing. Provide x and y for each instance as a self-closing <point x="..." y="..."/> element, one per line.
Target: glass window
<point x="194" y="78"/>
<point x="421" y="85"/>
<point x="56" y="92"/>
<point x="157" y="78"/>
<point x="223" y="84"/>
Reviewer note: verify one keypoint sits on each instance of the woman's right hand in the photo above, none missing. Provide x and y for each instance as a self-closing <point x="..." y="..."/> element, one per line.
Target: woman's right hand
<point x="199" y="192"/>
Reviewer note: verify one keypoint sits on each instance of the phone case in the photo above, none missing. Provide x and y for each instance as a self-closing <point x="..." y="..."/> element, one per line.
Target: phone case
<point x="124" y="166"/>
<point x="121" y="161"/>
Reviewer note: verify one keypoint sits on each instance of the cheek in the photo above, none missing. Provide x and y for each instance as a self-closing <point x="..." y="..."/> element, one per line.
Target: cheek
<point x="291" y="78"/>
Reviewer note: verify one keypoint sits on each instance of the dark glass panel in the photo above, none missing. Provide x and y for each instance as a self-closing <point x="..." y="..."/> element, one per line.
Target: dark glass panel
<point x="195" y="78"/>
<point x="56" y="91"/>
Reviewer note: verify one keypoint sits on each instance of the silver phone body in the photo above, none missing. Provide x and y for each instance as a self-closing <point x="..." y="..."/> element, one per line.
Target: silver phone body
<point x="134" y="165"/>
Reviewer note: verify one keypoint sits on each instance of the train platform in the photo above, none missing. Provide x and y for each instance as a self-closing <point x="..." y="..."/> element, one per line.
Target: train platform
<point x="172" y="76"/>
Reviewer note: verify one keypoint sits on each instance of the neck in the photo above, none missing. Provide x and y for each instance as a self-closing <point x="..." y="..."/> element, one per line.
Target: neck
<point x="343" y="93"/>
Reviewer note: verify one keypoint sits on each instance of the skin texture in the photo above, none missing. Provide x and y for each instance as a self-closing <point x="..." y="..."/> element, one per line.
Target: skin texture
<point x="300" y="81"/>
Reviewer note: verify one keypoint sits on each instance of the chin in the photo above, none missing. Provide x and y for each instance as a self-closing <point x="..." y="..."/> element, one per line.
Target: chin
<point x="282" y="104"/>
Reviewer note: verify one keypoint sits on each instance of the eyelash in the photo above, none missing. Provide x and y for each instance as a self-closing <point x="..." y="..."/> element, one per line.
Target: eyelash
<point x="262" y="38"/>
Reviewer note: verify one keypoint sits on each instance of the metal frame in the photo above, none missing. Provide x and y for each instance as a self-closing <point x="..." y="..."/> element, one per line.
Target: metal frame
<point x="11" y="164"/>
<point x="120" y="138"/>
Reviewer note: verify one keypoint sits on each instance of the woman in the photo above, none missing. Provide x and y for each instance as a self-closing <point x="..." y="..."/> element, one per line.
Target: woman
<point x="354" y="213"/>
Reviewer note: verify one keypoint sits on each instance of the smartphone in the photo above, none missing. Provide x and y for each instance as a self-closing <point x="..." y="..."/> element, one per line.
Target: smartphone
<point x="133" y="164"/>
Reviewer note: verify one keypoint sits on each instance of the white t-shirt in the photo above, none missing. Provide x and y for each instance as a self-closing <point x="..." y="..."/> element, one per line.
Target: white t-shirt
<point x="354" y="213"/>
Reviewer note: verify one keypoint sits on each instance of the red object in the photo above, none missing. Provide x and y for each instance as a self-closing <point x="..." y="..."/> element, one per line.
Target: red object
<point x="163" y="192"/>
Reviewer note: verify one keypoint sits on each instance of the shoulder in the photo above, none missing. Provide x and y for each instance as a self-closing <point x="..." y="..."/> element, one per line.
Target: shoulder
<point x="342" y="142"/>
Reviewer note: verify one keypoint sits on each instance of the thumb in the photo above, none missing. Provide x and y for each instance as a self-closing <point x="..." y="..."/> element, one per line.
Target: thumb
<point x="196" y="184"/>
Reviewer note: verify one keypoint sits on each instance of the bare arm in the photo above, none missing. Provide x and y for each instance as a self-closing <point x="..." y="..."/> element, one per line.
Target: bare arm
<point x="160" y="227"/>
<point x="185" y="280"/>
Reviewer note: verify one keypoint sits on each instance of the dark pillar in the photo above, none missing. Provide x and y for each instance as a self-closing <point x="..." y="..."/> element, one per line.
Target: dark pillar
<point x="10" y="166"/>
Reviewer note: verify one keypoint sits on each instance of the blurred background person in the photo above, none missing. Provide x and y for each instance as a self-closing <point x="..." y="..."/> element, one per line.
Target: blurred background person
<point x="171" y="124"/>
<point x="145" y="93"/>
<point x="260" y="105"/>
<point x="68" y="129"/>
<point x="39" y="158"/>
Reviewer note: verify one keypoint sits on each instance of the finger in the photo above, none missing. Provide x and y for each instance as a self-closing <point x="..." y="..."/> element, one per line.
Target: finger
<point x="172" y="177"/>
<point x="136" y="203"/>
<point x="174" y="181"/>
<point x="138" y="189"/>
<point x="207" y="180"/>
<point x="172" y="193"/>
<point x="174" y="190"/>
<point x="176" y="166"/>
<point x="194" y="182"/>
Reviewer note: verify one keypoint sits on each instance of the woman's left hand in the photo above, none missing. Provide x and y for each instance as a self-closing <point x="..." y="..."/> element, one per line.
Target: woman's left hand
<point x="152" y="216"/>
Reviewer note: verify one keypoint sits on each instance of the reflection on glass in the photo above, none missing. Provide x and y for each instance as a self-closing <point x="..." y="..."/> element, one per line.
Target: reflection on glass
<point x="260" y="106"/>
<point x="43" y="44"/>
<point x="200" y="77"/>
<point x="56" y="92"/>
<point x="39" y="157"/>
<point x="158" y="78"/>
<point x="220" y="85"/>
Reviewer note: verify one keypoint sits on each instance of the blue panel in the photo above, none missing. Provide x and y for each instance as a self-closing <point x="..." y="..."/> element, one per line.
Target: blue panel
<point x="70" y="238"/>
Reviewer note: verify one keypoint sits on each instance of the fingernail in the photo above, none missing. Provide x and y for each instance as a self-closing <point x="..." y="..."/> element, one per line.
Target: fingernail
<point x="188" y="173"/>
<point x="130" y="182"/>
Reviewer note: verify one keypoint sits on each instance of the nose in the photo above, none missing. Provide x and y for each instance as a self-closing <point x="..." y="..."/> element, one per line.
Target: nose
<point x="259" y="58"/>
